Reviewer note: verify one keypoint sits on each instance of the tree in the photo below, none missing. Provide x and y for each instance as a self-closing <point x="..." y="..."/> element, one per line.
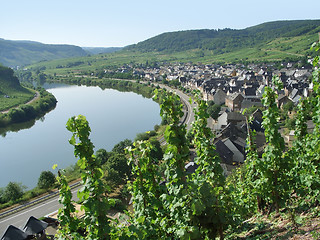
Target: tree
<point x="156" y="151"/>
<point x="288" y="107"/>
<point x="119" y="147"/>
<point x="13" y="191"/>
<point x="1" y="195"/>
<point x="117" y="168"/>
<point x="46" y="180"/>
<point x="102" y="156"/>
<point x="42" y="78"/>
<point x="16" y="115"/>
<point x="213" y="110"/>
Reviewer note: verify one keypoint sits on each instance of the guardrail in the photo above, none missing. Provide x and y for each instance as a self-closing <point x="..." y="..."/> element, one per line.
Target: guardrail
<point x="34" y="202"/>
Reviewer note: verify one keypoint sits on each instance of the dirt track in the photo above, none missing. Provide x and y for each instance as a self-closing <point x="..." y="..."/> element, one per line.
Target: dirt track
<point x="36" y="97"/>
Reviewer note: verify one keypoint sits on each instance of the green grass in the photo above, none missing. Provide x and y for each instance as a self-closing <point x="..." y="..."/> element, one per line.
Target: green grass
<point x="16" y="98"/>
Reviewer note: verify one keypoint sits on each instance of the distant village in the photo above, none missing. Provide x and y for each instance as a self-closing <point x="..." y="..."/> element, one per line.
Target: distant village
<point x="235" y="88"/>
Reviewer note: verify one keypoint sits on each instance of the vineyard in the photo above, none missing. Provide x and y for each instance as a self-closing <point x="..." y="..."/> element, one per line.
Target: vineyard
<point x="169" y="203"/>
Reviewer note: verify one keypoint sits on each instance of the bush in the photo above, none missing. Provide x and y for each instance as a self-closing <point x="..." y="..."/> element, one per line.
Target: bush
<point x="13" y="192"/>
<point x="213" y="110"/>
<point x="142" y="136"/>
<point x="16" y="115"/>
<point x="156" y="127"/>
<point x="117" y="169"/>
<point x="119" y="147"/>
<point x="118" y="205"/>
<point x="102" y="156"/>
<point x="46" y="180"/>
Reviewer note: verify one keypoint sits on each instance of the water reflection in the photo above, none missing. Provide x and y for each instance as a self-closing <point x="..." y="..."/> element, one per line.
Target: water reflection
<point x="31" y="147"/>
<point x="16" y="127"/>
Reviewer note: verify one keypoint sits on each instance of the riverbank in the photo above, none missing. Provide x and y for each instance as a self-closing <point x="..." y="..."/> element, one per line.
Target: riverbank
<point x="144" y="89"/>
<point x="35" y="108"/>
<point x="36" y="97"/>
<point x="141" y="88"/>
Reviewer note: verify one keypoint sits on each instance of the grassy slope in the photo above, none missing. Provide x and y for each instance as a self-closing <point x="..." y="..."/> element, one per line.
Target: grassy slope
<point x="276" y="50"/>
<point x="306" y="225"/>
<point x="10" y="86"/>
<point x="19" y="53"/>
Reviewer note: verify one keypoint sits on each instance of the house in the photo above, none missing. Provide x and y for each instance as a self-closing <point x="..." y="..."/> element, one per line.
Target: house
<point x="35" y="227"/>
<point x="256" y="125"/>
<point x="14" y="233"/>
<point x="183" y="80"/>
<point x="235" y="117"/>
<point x="257" y="114"/>
<point x="293" y="94"/>
<point x="226" y="155"/>
<point x="249" y="91"/>
<point x="260" y="90"/>
<point x="241" y="144"/>
<point x="248" y="103"/>
<point x="233" y="101"/>
<point x="282" y="100"/>
<point x="222" y="121"/>
<point x="219" y="97"/>
<point x="237" y="155"/>
<point x="296" y="99"/>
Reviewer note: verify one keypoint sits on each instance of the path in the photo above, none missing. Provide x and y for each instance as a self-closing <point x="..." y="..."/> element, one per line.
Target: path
<point x="36" y="97"/>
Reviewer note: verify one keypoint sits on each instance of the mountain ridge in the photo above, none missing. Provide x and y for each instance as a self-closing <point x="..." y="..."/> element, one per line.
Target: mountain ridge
<point x="270" y="41"/>
<point x="23" y="52"/>
<point x="220" y="39"/>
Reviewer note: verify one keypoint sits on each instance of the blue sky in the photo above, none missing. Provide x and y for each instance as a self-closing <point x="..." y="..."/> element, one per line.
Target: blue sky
<point x="98" y="23"/>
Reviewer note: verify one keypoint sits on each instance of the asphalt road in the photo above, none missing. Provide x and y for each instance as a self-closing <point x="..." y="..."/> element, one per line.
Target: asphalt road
<point x="190" y="107"/>
<point x="51" y="205"/>
<point x="20" y="218"/>
<point x="185" y="99"/>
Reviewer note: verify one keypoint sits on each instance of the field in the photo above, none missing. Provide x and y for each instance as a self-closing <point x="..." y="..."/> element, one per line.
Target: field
<point x="15" y="97"/>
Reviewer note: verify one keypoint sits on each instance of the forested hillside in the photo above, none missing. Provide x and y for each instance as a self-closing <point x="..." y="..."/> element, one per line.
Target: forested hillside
<point x="7" y="80"/>
<point x="268" y="42"/>
<point x="19" y="53"/>
<point x="226" y="40"/>
<point x="98" y="50"/>
<point x="11" y="92"/>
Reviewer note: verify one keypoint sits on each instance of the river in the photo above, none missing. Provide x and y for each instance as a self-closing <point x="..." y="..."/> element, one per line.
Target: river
<point x="113" y="116"/>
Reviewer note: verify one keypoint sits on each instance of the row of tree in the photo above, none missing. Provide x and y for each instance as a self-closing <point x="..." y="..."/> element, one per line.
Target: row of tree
<point x="14" y="191"/>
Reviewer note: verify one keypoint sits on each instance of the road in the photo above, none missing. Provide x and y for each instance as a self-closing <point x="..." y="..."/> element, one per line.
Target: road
<point x="36" y="97"/>
<point x="185" y="99"/>
<point x="20" y="218"/>
<point x="46" y="207"/>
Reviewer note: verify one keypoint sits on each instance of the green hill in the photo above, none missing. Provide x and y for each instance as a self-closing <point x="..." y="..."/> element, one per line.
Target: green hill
<point x="20" y="53"/>
<point x="227" y="40"/>
<point x="267" y="42"/>
<point x="7" y="79"/>
<point x="11" y="92"/>
<point x="98" y="50"/>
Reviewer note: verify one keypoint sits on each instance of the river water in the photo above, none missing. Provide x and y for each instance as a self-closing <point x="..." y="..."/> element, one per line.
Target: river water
<point x="113" y="116"/>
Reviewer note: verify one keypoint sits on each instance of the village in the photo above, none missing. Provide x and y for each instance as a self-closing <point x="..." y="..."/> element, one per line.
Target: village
<point x="235" y="88"/>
